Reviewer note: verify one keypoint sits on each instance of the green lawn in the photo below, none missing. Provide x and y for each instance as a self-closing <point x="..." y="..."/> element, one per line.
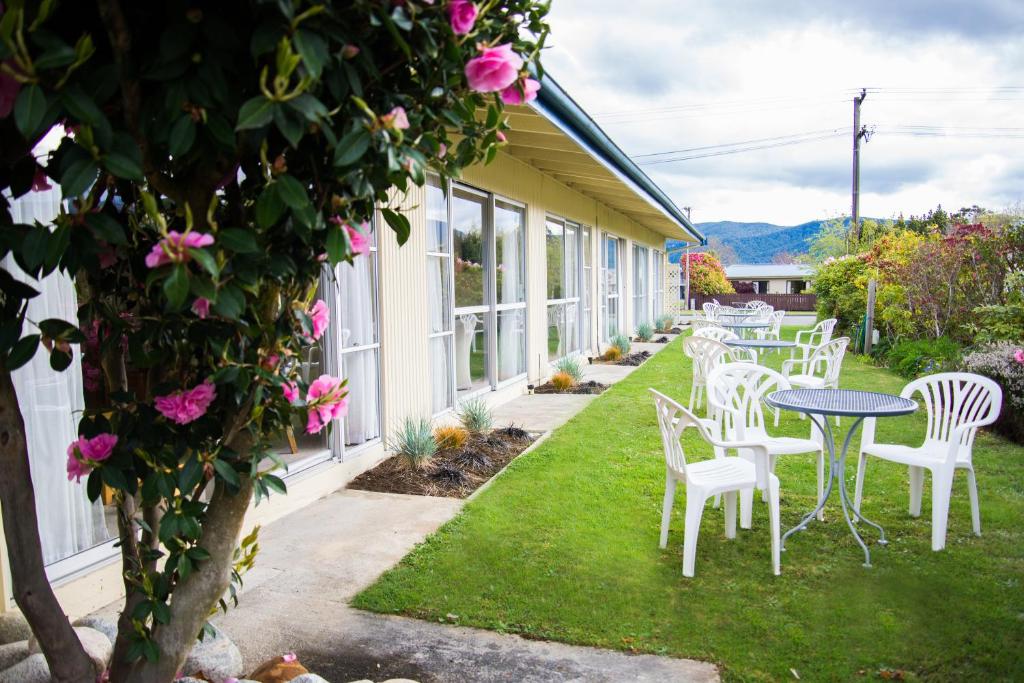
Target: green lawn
<point x="564" y="546"/>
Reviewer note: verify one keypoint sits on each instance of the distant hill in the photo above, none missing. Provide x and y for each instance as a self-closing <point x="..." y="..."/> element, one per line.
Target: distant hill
<point x="758" y="242"/>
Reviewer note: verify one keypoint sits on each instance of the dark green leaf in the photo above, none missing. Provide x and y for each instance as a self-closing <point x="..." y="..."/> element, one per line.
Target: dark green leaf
<point x="310" y="107"/>
<point x="313" y="50"/>
<point x="113" y="478"/>
<point x="29" y="109"/>
<point x="399" y="223"/>
<point x="230" y="302"/>
<point x="33" y="248"/>
<point x="78" y="178"/>
<point x="269" y="207"/>
<point x="123" y="166"/>
<point x="292" y="192"/>
<point x="106" y="228"/>
<point x="182" y="136"/>
<point x="337" y="244"/>
<point x="206" y="260"/>
<point x="59" y="360"/>
<point x="94" y="486"/>
<point x="82" y="107"/>
<point x="275" y="483"/>
<point x="255" y="113"/>
<point x="227" y="472"/>
<point x="352" y="147"/>
<point x="55" y="328"/>
<point x="238" y="240"/>
<point x="176" y="287"/>
<point x="290" y="125"/>
<point x="161" y="612"/>
<point x="22" y="352"/>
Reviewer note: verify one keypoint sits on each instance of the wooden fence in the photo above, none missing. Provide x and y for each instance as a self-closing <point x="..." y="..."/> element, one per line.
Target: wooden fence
<point x="781" y="302"/>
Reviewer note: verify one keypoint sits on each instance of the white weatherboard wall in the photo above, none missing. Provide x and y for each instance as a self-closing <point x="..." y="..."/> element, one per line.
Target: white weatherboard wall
<point x="404" y="351"/>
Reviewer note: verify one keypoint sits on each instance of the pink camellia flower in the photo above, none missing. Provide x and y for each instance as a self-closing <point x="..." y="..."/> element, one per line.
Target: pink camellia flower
<point x="462" y="16"/>
<point x="270" y="362"/>
<point x="500" y="137"/>
<point x="85" y="454"/>
<point x="442" y="150"/>
<point x="289" y="657"/>
<point x="327" y="399"/>
<point x="494" y="69"/>
<point x="349" y="51"/>
<point x="321" y="317"/>
<point x="174" y="248"/>
<point x="290" y="391"/>
<point x="359" y="238"/>
<point x="187" y="406"/>
<point x="1018" y="356"/>
<point x="395" y="119"/>
<point x="201" y="307"/>
<point x="522" y="91"/>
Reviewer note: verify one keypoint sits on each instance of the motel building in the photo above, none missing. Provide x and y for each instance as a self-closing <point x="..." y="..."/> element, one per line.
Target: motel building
<point x="555" y="246"/>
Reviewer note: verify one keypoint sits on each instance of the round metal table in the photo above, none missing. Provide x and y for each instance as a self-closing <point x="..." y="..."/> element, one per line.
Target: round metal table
<point x="744" y="327"/>
<point x="820" y="403"/>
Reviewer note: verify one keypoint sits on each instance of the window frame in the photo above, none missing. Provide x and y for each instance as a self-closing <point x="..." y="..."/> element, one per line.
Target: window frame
<point x="578" y="278"/>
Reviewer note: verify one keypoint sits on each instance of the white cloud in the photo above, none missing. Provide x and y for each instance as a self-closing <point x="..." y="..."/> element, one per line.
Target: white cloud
<point x="727" y="74"/>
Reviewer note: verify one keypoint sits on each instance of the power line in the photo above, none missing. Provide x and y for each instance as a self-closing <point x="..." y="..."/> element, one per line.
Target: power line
<point x="723" y="152"/>
<point x="741" y="142"/>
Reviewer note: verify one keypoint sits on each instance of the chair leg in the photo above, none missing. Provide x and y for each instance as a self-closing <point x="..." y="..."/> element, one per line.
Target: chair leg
<point x="858" y="490"/>
<point x="773" y="514"/>
<point x="916" y="490"/>
<point x="693" y="395"/>
<point x="942" y="487"/>
<point x="777" y="417"/>
<point x="666" y="507"/>
<point x="694" y="511"/>
<point x="821" y="483"/>
<point x="771" y="468"/>
<point x="716" y="501"/>
<point x="730" y="514"/>
<point x="746" y="508"/>
<point x="972" y="489"/>
<point x="837" y="420"/>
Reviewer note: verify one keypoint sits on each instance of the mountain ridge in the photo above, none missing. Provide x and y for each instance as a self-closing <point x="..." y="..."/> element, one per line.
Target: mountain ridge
<point x="757" y="241"/>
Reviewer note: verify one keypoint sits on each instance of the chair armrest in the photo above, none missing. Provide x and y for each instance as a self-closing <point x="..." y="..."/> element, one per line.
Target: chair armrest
<point x="957" y="435"/>
<point x="788" y="365"/>
<point x="801" y="333"/>
<point x="761" y="459"/>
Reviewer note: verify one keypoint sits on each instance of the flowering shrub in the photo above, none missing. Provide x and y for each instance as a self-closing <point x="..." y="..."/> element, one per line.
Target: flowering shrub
<point x="707" y="275"/>
<point x="218" y="155"/>
<point x="1003" y="362"/>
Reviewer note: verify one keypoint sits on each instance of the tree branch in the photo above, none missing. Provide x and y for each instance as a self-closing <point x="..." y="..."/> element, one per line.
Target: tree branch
<point x="32" y="591"/>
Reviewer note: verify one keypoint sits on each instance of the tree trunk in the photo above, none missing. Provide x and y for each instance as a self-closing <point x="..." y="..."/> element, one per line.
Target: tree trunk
<point x="194" y="598"/>
<point x="32" y="592"/>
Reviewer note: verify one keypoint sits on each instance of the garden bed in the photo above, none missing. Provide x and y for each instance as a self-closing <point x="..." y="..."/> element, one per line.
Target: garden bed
<point x="633" y="359"/>
<point x="590" y="387"/>
<point x="452" y="472"/>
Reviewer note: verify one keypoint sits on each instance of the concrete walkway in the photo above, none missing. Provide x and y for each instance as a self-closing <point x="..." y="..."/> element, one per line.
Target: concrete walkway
<point x="315" y="560"/>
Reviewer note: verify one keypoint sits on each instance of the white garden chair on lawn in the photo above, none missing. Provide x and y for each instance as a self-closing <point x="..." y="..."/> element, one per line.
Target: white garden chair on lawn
<point x="804" y="374"/>
<point x="958" y="403"/>
<point x="722" y="475"/>
<point x="716" y="332"/>
<point x="707" y="353"/>
<point x="775" y="331"/>
<point x="711" y="311"/>
<point x="754" y="304"/>
<point x="808" y="340"/>
<point x="735" y="396"/>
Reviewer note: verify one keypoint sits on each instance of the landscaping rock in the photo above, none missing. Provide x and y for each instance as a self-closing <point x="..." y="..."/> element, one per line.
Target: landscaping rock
<point x="96" y="645"/>
<point x="12" y="653"/>
<point x="13" y="628"/>
<point x="309" y="678"/>
<point x="215" y="657"/>
<point x="279" y="670"/>
<point x="33" y="669"/>
<point x="107" y="625"/>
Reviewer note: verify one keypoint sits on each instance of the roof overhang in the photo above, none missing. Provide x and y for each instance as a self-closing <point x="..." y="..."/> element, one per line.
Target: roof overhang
<point x="554" y="135"/>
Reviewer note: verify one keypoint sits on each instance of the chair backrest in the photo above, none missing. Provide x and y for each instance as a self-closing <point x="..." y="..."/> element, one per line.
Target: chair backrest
<point x="830" y="353"/>
<point x="953" y="399"/>
<point x="710" y="310"/>
<point x="776" y="320"/>
<point x="700" y="323"/>
<point x="706" y="353"/>
<point x="763" y="314"/>
<point x="825" y="328"/>
<point x="673" y="420"/>
<point x="715" y="332"/>
<point x="735" y="393"/>
<point x="755" y="304"/>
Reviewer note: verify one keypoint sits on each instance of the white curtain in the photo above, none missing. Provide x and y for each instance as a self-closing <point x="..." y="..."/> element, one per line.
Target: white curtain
<point x="440" y="361"/>
<point x="357" y="305"/>
<point x="51" y="403"/>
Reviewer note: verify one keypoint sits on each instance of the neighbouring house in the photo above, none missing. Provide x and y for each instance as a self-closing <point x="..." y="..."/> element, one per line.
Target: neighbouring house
<point x="769" y="278"/>
<point x="546" y="252"/>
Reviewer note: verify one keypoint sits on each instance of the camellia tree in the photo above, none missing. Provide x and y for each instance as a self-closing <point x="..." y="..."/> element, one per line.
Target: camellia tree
<point x="216" y="156"/>
<point x="707" y="275"/>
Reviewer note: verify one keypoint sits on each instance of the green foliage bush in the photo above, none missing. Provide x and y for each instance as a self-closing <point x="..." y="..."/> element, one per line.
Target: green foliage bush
<point x="645" y="332"/>
<point x="414" y="442"/>
<point x="919" y="357"/>
<point x="475" y="415"/>
<point x="572" y="366"/>
<point x="622" y="343"/>
<point x="664" y="322"/>
<point x="1004" y="363"/>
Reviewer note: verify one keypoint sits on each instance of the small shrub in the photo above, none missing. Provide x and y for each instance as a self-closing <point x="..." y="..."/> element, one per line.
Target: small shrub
<point x="473" y="460"/>
<point x="664" y="322"/>
<point x="562" y="381"/>
<point x="572" y="366"/>
<point x="475" y="416"/>
<point x="644" y="332"/>
<point x="612" y="354"/>
<point x="514" y="432"/>
<point x="912" y="359"/>
<point x="1003" y="362"/>
<point x="621" y="342"/>
<point x="449" y="475"/>
<point x="414" y="442"/>
<point x="451" y="437"/>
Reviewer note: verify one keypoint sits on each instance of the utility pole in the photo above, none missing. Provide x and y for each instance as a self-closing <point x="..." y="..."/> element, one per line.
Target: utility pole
<point x="686" y="255"/>
<point x="858" y="133"/>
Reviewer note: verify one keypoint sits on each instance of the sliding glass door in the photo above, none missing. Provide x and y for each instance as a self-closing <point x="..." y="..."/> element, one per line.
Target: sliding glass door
<point x="658" y="282"/>
<point x="564" y="282"/>
<point x="611" y="281"/>
<point x="478" y="315"/>
<point x="586" y="336"/>
<point x="641" y="286"/>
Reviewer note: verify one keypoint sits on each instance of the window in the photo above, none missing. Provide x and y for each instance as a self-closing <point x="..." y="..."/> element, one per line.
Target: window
<point x="478" y="312"/>
<point x="588" y="294"/>
<point x="641" y="286"/>
<point x="564" y="247"/>
<point x="658" y="282"/>
<point x="611" y="270"/>
<point x="761" y="286"/>
<point x="797" y="286"/>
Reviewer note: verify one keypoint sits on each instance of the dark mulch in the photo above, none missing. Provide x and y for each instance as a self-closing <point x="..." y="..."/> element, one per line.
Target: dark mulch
<point x="675" y="330"/>
<point x="661" y="340"/>
<point x="634" y="358"/>
<point x="589" y="387"/>
<point x="452" y="473"/>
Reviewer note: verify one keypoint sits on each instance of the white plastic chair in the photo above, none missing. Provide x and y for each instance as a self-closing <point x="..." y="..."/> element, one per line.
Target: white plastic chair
<point x="711" y="311"/>
<point x="715" y="332"/>
<point x="755" y="304"/>
<point x="735" y="396"/>
<point x="722" y="475"/>
<point x="775" y="331"/>
<point x="958" y="403"/>
<point x="706" y="353"/>
<point x="830" y="355"/>
<point x="808" y="340"/>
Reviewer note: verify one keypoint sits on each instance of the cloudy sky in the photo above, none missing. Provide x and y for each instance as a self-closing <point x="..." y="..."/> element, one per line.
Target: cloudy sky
<point x="946" y="99"/>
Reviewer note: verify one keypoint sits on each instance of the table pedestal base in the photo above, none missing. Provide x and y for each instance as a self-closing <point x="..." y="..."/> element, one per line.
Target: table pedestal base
<point x="837" y="468"/>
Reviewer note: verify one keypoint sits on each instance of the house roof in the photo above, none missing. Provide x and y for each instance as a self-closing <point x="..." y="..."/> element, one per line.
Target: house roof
<point x="556" y="136"/>
<point x="756" y="271"/>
